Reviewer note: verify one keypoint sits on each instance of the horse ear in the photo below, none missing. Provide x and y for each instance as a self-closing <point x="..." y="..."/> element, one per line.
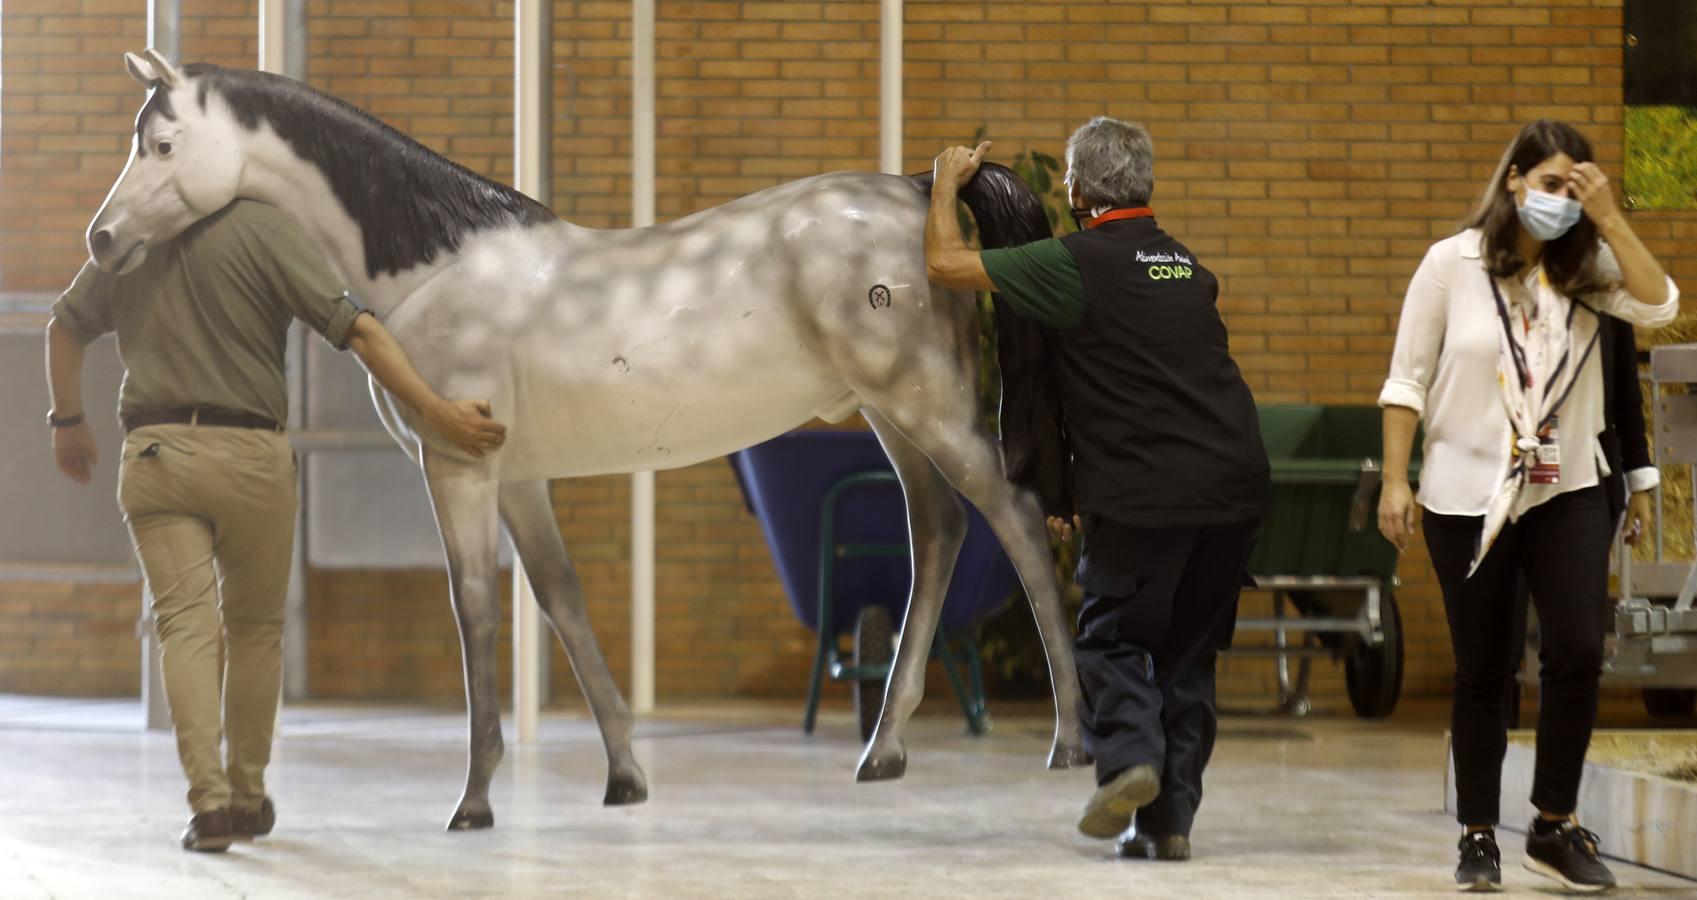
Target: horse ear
<point x="167" y="72"/>
<point x="141" y="70"/>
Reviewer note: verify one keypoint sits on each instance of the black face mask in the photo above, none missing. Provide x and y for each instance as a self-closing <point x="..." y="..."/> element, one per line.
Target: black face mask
<point x="1079" y="217"/>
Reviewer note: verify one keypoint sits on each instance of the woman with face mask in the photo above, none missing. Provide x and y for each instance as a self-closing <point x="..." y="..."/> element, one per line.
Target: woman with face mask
<point x="1496" y="352"/>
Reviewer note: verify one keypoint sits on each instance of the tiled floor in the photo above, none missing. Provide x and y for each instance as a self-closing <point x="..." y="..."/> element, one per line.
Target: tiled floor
<point x="743" y="805"/>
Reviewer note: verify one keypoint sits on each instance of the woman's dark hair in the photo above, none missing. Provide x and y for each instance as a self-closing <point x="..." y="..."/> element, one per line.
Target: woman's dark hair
<point x="1570" y="261"/>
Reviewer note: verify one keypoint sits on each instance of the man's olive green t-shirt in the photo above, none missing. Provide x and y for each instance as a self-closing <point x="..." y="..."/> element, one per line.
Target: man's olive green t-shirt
<point x="203" y="321"/>
<point x="1039" y="281"/>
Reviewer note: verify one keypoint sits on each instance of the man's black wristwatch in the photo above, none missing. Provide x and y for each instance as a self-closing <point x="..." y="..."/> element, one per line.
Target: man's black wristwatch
<point x="67" y="422"/>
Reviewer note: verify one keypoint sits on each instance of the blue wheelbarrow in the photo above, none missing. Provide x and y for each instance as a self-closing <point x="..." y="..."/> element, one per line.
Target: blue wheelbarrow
<point x="836" y="522"/>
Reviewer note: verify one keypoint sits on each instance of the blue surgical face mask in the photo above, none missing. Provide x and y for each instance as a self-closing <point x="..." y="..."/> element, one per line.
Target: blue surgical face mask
<point x="1547" y="216"/>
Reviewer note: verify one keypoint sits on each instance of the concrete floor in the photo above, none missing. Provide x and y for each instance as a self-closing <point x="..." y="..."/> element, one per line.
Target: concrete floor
<point x="743" y="806"/>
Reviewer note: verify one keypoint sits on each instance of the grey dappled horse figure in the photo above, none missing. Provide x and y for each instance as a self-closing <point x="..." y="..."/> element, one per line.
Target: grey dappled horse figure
<point x="615" y="351"/>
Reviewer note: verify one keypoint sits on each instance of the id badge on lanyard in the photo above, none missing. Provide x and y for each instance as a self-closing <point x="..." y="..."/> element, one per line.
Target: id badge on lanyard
<point x="1546" y="460"/>
<point x="1545" y="465"/>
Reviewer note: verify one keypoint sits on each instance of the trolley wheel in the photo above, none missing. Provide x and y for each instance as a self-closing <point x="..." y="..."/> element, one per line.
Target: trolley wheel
<point x="874" y="645"/>
<point x="1670" y="703"/>
<point x="1374" y="674"/>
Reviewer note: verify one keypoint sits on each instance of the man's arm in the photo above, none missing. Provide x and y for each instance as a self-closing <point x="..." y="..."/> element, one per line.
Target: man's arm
<point x="64" y="370"/>
<point x="73" y="445"/>
<point x="949" y="262"/>
<point x="467" y="424"/>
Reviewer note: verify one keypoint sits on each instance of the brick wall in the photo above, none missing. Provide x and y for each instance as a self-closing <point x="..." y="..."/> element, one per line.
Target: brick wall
<point x="1308" y="151"/>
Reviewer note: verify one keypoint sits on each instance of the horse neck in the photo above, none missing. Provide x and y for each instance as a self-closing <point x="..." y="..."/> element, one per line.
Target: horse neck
<point x="274" y="174"/>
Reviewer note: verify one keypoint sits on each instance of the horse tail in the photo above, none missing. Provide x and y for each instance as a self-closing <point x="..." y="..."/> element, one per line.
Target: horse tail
<point x="1031" y="424"/>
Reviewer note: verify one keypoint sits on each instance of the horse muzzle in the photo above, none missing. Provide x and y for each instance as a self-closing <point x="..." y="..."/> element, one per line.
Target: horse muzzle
<point x="111" y="255"/>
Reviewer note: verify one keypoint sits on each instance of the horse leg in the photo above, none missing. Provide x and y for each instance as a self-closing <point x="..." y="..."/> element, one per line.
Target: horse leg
<point x="966" y="455"/>
<point x="529" y="515"/>
<point x="936" y="526"/>
<point x="464" y="497"/>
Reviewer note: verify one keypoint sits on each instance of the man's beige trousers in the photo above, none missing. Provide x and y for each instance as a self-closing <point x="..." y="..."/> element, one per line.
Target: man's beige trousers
<point x="211" y="511"/>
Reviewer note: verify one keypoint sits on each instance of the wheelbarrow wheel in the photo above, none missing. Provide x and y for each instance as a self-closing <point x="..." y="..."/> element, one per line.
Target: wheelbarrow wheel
<point x="1373" y="674"/>
<point x="1670" y="703"/>
<point x="874" y="646"/>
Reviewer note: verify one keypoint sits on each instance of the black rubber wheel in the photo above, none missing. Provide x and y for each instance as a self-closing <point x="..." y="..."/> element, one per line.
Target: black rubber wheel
<point x="874" y="645"/>
<point x="1671" y="703"/>
<point x="1374" y="674"/>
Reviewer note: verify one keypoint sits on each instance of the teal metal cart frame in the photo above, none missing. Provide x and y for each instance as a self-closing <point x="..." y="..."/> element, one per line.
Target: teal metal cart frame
<point x="969" y="689"/>
<point x="1320" y="548"/>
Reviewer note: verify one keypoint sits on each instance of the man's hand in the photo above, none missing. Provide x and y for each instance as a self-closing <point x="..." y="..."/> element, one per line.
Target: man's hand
<point x="74" y="452"/>
<point x="1062" y="529"/>
<point x="1637" y="517"/>
<point x="956" y="165"/>
<point x="468" y="425"/>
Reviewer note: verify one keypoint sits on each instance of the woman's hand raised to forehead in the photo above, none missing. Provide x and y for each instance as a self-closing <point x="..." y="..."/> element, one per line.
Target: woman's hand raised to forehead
<point x="1591" y="188"/>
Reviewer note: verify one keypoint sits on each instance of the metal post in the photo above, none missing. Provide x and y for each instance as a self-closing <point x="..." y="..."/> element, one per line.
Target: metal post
<point x="890" y="89"/>
<point x="1655" y="454"/>
<point x="532" y="156"/>
<point x="282" y="50"/>
<point x="294" y="42"/>
<point x="164" y="30"/>
<point x="642" y="483"/>
<point x="295" y="684"/>
<point x="156" y="712"/>
<point x="272" y="35"/>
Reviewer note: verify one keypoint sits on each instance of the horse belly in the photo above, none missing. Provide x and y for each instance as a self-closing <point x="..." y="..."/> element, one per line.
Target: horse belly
<point x="711" y="382"/>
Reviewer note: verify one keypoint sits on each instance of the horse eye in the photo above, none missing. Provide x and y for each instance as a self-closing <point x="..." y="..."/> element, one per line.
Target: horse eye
<point x="164" y="148"/>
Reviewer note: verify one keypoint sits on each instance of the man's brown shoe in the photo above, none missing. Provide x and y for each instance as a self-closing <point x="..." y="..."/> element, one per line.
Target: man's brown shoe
<point x="247" y="824"/>
<point x="208" y="832"/>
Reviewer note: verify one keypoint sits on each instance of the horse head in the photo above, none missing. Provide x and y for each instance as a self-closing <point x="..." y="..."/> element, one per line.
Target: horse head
<point x="185" y="164"/>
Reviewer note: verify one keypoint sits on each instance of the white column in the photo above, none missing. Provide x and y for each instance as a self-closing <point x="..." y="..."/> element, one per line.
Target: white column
<point x="164" y="25"/>
<point x="156" y="715"/>
<point x="642" y="483"/>
<point x="890" y="89"/>
<point x="273" y="35"/>
<point x="282" y="51"/>
<point x="164" y="28"/>
<point x="533" y="44"/>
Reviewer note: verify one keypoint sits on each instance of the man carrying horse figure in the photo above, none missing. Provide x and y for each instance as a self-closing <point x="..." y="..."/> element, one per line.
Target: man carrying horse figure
<point x="206" y="478"/>
<point x="1167" y="466"/>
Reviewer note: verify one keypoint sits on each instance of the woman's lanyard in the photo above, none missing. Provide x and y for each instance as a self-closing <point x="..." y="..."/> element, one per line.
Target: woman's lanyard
<point x="1518" y="352"/>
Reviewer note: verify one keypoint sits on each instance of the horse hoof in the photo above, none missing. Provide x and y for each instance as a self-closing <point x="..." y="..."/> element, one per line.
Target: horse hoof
<point x="882" y="767"/>
<point x="1068" y="755"/>
<point x="625" y="788"/>
<point x="466" y="820"/>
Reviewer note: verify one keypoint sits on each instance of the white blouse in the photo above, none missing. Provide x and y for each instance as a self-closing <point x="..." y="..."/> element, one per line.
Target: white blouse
<point x="1444" y="367"/>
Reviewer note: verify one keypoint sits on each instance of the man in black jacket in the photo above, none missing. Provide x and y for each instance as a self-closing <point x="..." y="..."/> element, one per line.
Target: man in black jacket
<point x="1169" y="474"/>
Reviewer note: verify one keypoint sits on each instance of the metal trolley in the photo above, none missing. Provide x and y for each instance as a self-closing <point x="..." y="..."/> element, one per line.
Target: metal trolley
<point x="1655" y="624"/>
<point x="1333" y="576"/>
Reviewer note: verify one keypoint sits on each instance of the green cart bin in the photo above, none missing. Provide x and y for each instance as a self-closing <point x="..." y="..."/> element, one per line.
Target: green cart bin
<point x="1321" y="554"/>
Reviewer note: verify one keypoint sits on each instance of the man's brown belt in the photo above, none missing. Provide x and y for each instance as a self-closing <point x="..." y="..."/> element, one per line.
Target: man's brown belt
<point x="199" y="415"/>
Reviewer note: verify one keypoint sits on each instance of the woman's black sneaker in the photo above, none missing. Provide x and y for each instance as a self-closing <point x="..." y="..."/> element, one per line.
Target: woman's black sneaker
<point x="1481" y="867"/>
<point x="1567" y="853"/>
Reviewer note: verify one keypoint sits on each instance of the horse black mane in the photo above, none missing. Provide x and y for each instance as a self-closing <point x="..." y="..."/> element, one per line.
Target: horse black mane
<point x="410" y="202"/>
